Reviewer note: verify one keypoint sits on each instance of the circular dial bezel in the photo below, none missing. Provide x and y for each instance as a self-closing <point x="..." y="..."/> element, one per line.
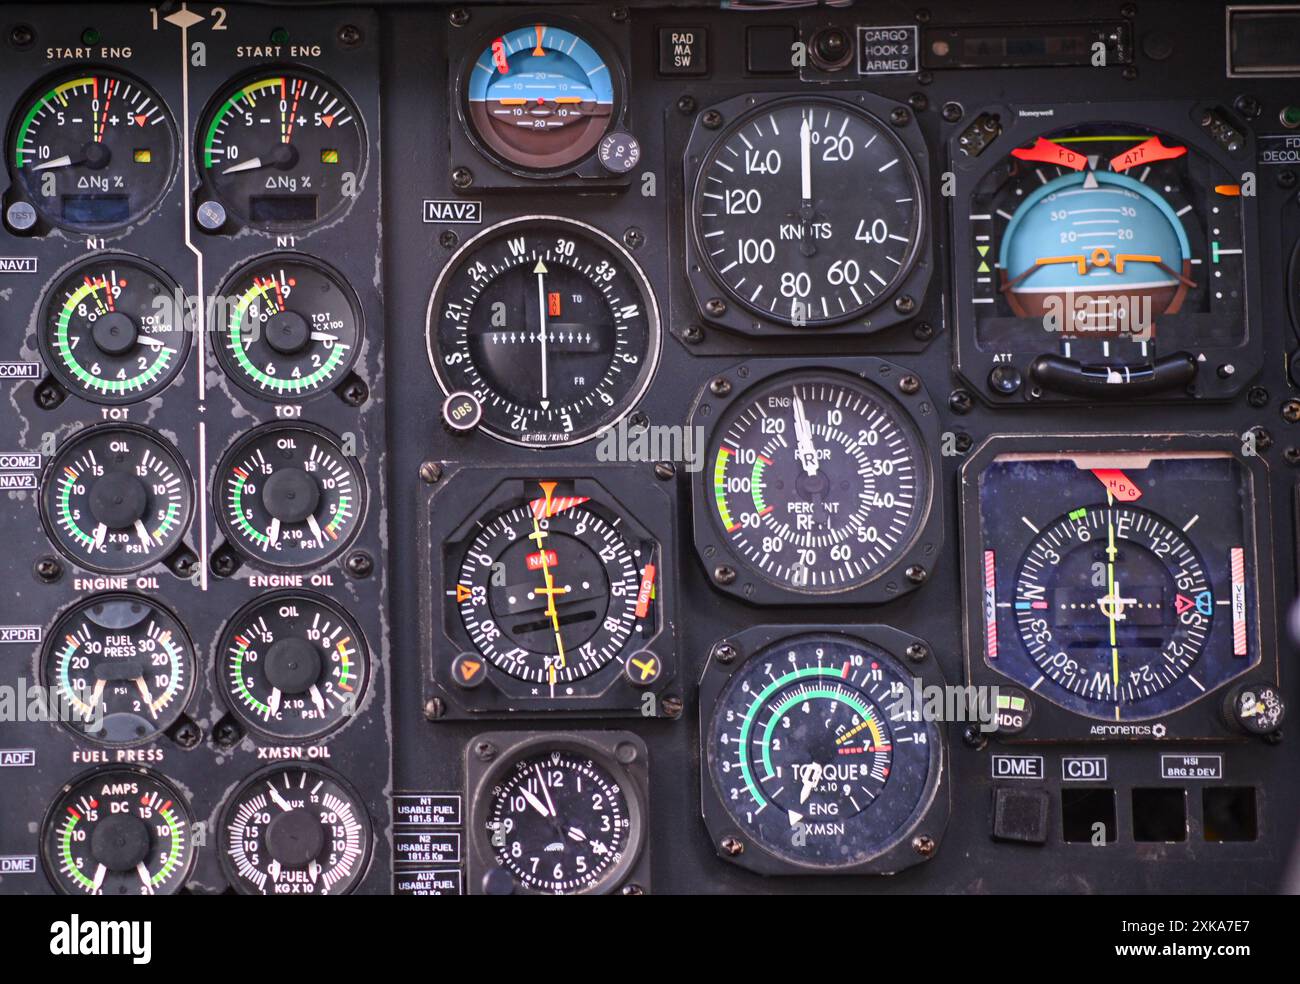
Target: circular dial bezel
<point x="237" y="292"/>
<point x="230" y="648"/>
<point x="879" y="291"/>
<point x="242" y="542"/>
<point x="537" y="749"/>
<point x="155" y="110"/>
<point x="238" y="202"/>
<point x="57" y="475"/>
<point x="167" y="705"/>
<point x="775" y="663"/>
<point x="745" y="409"/>
<point x="552" y="537"/>
<point x="243" y="797"/>
<point x="513" y="159"/>
<point x="58" y="309"/>
<point x="175" y="879"/>
<point x="647" y="310"/>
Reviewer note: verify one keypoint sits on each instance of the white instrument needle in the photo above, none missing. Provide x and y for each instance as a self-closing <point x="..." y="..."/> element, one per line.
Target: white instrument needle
<point x="805" y="162"/>
<point x="252" y="164"/>
<point x="540" y="270"/>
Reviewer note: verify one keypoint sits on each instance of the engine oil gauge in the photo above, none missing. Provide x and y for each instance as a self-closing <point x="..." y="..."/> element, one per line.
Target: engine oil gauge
<point x="117" y="498"/>
<point x="289" y="496"/>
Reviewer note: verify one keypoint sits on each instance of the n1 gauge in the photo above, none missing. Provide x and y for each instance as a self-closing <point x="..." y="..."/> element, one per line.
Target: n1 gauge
<point x="117" y="498"/>
<point x="282" y="150"/>
<point x="295" y="831"/>
<point x="114" y="329"/>
<point x="816" y="752"/>
<point x="92" y="150"/>
<point x="119" y="832"/>
<point x="288" y="496"/>
<point x="291" y="328"/>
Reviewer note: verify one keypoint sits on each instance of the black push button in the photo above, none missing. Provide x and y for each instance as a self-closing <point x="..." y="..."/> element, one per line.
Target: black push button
<point x="1020" y="815"/>
<point x="683" y="51"/>
<point x="770" y="50"/>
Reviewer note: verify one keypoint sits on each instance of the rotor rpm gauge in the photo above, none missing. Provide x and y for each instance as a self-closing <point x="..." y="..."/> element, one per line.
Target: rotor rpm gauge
<point x="816" y="481"/>
<point x="119" y="832"/>
<point x="561" y="814"/>
<point x="288" y="496"/>
<point x="291" y="329"/>
<point x="549" y="325"/>
<point x="808" y="212"/>
<point x="557" y="587"/>
<point x="282" y="150"/>
<point x="293" y="666"/>
<point x="1121" y="587"/>
<point x="114" y="330"/>
<point x="116" y="499"/>
<point x="295" y="831"/>
<point x="817" y="754"/>
<point x="540" y="97"/>
<point x="123" y="664"/>
<point x="92" y="150"/>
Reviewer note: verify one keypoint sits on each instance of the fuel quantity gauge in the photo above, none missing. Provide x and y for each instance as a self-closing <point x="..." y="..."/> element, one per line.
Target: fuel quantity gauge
<point x="290" y="328"/>
<point x="118" y="832"/>
<point x="288" y="496"/>
<point x="116" y="498"/>
<point x="92" y="150"/>
<point x="295" y="831"/>
<point x="114" y="330"/>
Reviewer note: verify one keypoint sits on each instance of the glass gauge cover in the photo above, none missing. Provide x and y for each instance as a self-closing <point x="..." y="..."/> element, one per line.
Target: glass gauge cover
<point x="114" y="330"/>
<point x="92" y="150"/>
<point x="288" y="496"/>
<point x="290" y="328"/>
<point x="808" y="212"/>
<point x="540" y="97"/>
<point x="816" y="753"/>
<point x="817" y="481"/>
<point x="1121" y="587"/>
<point x="116" y="498"/>
<point x="295" y="831"/>
<point x="123" y="665"/>
<point x="119" y="832"/>
<point x="293" y="666"/>
<point x="549" y="325"/>
<point x="282" y="150"/>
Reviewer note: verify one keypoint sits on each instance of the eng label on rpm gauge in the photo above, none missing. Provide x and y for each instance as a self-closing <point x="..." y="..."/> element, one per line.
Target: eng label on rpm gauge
<point x="817" y="754"/>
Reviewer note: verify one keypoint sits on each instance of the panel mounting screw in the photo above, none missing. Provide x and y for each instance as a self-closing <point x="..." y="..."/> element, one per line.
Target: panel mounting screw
<point x="711" y="119"/>
<point x="909" y="385"/>
<point x="917" y="653"/>
<point x="634" y="238"/>
<point x="461" y="178"/>
<point x="359" y="564"/>
<point x="972" y="737"/>
<point x="430" y="472"/>
<point x="485" y="751"/>
<point x="952" y="112"/>
<point x="434" y="708"/>
<point x="187" y="735"/>
<point x="923" y="844"/>
<point x="1291" y="411"/>
<point x="350" y="35"/>
<point x="900" y="116"/>
<point x="48" y="569"/>
<point x="1257" y="397"/>
<point x="725" y="653"/>
<point x="720" y="386"/>
<point x="731" y="846"/>
<point x="923" y="332"/>
<point x="960" y="401"/>
<point x="686" y="105"/>
<point x="917" y="574"/>
<point x="448" y="239"/>
<point x="631" y="890"/>
<point x="672" y="706"/>
<point x="904" y="304"/>
<point x="665" y="470"/>
<point x="21" y="35"/>
<point x="692" y="334"/>
<point x="724" y="575"/>
<point x="458" y="17"/>
<point x="618" y="15"/>
<point x="715" y="307"/>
